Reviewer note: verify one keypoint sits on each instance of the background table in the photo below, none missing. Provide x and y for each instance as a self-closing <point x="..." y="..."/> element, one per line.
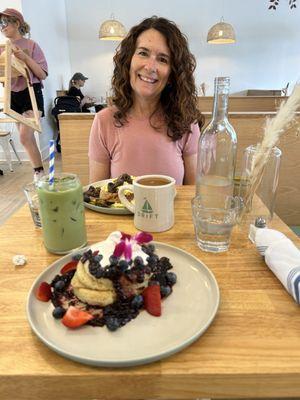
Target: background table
<point x="252" y="348"/>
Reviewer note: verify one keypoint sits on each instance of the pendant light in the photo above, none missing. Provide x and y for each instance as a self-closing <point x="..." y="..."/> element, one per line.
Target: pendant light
<point x="222" y="32"/>
<point x="112" y="29"/>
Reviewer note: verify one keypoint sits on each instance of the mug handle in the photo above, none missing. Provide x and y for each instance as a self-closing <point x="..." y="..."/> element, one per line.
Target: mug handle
<point x="123" y="199"/>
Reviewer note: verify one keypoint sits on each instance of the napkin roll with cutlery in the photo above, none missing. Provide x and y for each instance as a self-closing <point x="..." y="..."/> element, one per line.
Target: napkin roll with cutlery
<point x="282" y="257"/>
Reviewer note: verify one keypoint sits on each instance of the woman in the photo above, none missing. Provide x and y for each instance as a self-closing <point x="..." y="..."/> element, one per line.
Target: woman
<point x="77" y="81"/>
<point x="14" y="27"/>
<point x="152" y="126"/>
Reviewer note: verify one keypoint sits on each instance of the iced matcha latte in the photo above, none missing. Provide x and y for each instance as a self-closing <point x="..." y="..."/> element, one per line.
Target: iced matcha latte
<point x="62" y="213"/>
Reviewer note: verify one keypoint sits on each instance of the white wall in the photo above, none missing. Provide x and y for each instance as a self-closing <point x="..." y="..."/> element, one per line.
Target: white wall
<point x="265" y="56"/>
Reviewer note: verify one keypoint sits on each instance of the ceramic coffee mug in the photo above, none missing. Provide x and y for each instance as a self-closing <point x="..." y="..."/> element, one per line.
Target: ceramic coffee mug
<point x="153" y="206"/>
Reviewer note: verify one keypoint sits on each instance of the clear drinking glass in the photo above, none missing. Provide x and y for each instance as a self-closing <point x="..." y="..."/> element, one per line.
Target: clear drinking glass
<point x="33" y="203"/>
<point x="62" y="213"/>
<point x="213" y="226"/>
<point x="267" y="188"/>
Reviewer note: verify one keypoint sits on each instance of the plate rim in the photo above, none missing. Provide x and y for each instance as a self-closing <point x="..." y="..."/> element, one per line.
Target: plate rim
<point x="104" y="210"/>
<point x="133" y="361"/>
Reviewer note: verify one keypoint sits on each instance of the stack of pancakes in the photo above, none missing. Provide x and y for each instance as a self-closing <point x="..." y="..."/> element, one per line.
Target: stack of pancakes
<point x="101" y="291"/>
<point x="90" y="289"/>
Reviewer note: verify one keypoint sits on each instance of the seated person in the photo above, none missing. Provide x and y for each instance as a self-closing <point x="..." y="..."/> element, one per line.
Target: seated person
<point x="152" y="127"/>
<point x="77" y="81"/>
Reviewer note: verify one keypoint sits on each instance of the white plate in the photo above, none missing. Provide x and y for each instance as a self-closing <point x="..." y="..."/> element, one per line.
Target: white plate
<point x="186" y="314"/>
<point x="104" y="210"/>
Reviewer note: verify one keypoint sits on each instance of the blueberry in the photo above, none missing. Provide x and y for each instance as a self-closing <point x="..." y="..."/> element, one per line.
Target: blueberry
<point x="165" y="291"/>
<point x="151" y="248"/>
<point x="147" y="270"/>
<point x="98" y="258"/>
<point x="58" y="312"/>
<point x="112" y="324"/>
<point x="171" y="278"/>
<point x="93" y="269"/>
<point x="59" y="285"/>
<point x="138" y="261"/>
<point x="98" y="273"/>
<point x="152" y="259"/>
<point x="137" y="301"/>
<point x="123" y="265"/>
<point x="113" y="260"/>
<point x="146" y="249"/>
<point x="76" y="257"/>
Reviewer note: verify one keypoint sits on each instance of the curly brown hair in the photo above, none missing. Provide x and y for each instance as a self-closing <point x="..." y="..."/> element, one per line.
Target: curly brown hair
<point x="179" y="97"/>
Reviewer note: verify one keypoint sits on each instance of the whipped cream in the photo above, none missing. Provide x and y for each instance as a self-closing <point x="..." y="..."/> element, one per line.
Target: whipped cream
<point x="107" y="247"/>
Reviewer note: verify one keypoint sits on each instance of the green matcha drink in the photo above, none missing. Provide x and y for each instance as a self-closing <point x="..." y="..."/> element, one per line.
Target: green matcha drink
<point x="62" y="213"/>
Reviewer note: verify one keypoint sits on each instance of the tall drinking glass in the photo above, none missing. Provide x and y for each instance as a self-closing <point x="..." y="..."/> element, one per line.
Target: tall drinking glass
<point x="62" y="213"/>
<point x="266" y="191"/>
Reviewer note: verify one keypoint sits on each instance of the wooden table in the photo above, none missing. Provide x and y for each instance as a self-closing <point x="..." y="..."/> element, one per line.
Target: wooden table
<point x="252" y="348"/>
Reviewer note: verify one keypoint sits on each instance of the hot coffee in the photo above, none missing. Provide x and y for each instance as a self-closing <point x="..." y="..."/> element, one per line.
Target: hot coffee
<point x="153" y="181"/>
<point x="153" y="206"/>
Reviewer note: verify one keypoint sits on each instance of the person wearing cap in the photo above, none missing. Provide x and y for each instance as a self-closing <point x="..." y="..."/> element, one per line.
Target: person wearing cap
<point x="13" y="27"/>
<point x="77" y="81"/>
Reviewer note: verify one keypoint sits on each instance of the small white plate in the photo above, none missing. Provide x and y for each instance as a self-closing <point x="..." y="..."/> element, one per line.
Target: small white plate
<point x="186" y="314"/>
<point x="104" y="210"/>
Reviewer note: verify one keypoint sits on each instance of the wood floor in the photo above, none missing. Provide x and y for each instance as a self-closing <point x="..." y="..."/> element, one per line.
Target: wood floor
<point x="11" y="186"/>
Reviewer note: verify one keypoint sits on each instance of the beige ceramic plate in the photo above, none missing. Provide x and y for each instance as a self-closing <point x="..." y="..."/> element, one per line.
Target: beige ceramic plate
<point x="104" y="210"/>
<point x="187" y="313"/>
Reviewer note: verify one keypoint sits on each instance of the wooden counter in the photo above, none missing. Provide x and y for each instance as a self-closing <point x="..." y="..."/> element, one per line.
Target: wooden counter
<point x="75" y="128"/>
<point x="244" y="103"/>
<point x="251" y="350"/>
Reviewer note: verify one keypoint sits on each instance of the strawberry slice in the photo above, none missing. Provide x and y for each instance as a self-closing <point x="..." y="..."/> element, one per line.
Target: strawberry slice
<point x="74" y="317"/>
<point x="69" y="267"/>
<point x="44" y="292"/>
<point x="152" y="300"/>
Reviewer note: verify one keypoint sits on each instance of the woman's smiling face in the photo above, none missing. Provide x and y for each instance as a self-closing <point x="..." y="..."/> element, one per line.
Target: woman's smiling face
<point x="150" y="66"/>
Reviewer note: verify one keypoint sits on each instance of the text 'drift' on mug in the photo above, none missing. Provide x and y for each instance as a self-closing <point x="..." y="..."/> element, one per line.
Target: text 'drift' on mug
<point x="153" y="206"/>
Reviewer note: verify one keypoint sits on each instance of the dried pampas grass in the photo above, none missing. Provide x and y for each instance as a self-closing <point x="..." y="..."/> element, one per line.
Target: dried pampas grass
<point x="274" y="128"/>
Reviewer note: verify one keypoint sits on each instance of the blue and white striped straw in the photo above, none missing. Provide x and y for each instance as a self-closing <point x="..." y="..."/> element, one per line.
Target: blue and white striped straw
<point x="51" y="164"/>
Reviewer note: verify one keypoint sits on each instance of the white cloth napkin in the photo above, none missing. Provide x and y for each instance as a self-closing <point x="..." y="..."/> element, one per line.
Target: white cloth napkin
<point x="282" y="257"/>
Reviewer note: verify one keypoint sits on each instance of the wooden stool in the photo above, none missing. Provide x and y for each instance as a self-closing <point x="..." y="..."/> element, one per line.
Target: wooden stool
<point x="5" y="140"/>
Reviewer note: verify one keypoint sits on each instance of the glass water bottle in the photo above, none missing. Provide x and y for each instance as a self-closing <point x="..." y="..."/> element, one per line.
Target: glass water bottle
<point x="217" y="152"/>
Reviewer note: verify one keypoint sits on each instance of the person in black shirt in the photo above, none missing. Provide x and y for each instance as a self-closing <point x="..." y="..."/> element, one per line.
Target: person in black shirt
<point x="77" y="81"/>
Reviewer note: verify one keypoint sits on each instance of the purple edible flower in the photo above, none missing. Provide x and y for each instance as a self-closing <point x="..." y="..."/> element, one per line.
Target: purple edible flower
<point x="126" y="242"/>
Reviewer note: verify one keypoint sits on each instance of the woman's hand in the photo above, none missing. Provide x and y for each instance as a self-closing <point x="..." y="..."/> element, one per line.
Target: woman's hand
<point x="87" y="100"/>
<point x="31" y="64"/>
<point x="19" y="53"/>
